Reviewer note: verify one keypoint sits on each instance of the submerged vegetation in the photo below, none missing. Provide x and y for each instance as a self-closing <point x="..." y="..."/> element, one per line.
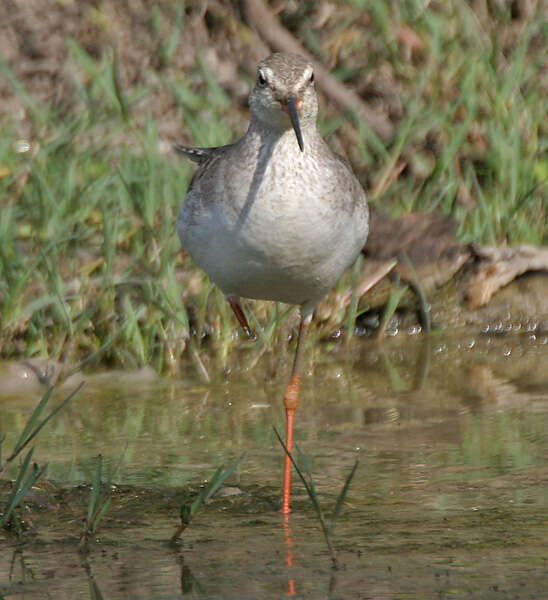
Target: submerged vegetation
<point x="90" y="264"/>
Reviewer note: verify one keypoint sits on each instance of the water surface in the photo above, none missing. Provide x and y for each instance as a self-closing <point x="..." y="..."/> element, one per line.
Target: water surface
<point x="449" y="500"/>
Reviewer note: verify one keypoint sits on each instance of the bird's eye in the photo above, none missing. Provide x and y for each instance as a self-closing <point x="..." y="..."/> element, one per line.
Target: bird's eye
<point x="312" y="78"/>
<point x="261" y="80"/>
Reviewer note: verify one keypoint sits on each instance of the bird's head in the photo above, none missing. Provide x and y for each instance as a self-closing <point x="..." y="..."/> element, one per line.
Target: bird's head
<point x="284" y="96"/>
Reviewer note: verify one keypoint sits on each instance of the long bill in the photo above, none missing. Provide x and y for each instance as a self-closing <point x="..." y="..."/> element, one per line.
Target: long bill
<point x="290" y="106"/>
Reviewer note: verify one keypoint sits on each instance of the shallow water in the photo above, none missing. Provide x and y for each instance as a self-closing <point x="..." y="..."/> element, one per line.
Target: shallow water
<point x="450" y="498"/>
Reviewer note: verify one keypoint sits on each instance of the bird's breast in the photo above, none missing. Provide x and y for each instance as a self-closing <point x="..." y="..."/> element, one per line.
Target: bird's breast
<point x="276" y="229"/>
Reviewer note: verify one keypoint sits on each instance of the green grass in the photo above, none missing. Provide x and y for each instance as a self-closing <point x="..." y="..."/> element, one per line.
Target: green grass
<point x="90" y="265"/>
<point x="97" y="506"/>
<point x="189" y="509"/>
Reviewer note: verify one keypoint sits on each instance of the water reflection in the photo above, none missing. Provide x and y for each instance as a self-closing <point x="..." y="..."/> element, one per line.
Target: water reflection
<point x="288" y="539"/>
<point x="451" y="492"/>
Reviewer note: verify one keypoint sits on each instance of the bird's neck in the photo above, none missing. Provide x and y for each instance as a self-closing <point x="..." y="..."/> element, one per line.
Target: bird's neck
<point x="266" y="136"/>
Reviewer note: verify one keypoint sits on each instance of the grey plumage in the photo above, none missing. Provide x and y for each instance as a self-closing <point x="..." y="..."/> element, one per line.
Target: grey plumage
<point x="264" y="218"/>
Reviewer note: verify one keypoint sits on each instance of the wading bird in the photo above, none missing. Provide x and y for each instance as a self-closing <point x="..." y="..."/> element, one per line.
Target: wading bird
<point x="272" y="217"/>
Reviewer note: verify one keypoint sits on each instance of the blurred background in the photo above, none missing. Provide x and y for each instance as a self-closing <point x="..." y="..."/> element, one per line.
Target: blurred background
<point x="439" y="106"/>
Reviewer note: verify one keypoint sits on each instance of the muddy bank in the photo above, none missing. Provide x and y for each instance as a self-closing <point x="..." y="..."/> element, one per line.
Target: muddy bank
<point x="445" y="285"/>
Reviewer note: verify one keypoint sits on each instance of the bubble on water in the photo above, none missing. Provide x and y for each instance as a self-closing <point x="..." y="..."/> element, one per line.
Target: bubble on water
<point x="531" y="326"/>
<point x="498" y="327"/>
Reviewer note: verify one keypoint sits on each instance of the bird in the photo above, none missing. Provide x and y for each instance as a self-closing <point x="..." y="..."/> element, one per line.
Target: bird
<point x="276" y="215"/>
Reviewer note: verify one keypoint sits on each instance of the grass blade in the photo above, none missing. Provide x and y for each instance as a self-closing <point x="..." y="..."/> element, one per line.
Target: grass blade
<point x="30" y="481"/>
<point x="19" y="491"/>
<point x="200" y="500"/>
<point x="341" y="498"/>
<point x="304" y="461"/>
<point x="100" y="515"/>
<point x="118" y="88"/>
<point x="34" y="107"/>
<point x="310" y="490"/>
<point x="16" y="484"/>
<point x="188" y="511"/>
<point x="313" y="497"/>
<point x="21" y="442"/>
<point x="95" y="488"/>
<point x="219" y="478"/>
<point x="96" y="510"/>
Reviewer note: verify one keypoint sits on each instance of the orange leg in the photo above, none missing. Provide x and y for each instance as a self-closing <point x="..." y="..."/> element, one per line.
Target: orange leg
<point x="237" y="310"/>
<point x="291" y="400"/>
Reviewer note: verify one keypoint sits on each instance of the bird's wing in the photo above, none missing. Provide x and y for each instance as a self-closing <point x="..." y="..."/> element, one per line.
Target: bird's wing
<point x="200" y="155"/>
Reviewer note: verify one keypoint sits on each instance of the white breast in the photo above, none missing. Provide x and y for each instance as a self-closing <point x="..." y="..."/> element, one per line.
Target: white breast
<point x="276" y="229"/>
